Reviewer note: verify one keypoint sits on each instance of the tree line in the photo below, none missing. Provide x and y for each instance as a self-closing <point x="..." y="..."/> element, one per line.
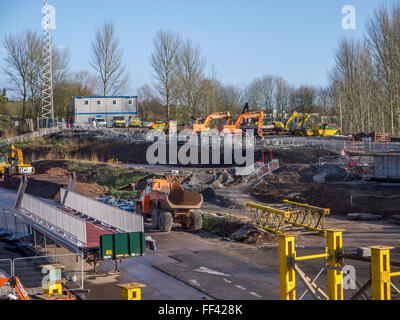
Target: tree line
<point x="362" y="94"/>
<point x="364" y="83"/>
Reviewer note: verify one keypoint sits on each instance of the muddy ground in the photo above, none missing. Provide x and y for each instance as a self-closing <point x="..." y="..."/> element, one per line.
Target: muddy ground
<point x="329" y="187"/>
<point x="50" y="176"/>
<point x="90" y="146"/>
<point x="299" y="179"/>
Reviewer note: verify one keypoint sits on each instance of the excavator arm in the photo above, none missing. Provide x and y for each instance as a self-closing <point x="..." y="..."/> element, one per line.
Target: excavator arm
<point x="216" y="115"/>
<point x="292" y="117"/>
<point x="17" y="285"/>
<point x="199" y="127"/>
<point x="258" y="115"/>
<point x="306" y="117"/>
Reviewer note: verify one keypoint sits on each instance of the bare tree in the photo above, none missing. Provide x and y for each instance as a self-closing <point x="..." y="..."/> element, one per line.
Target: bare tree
<point x="17" y="65"/>
<point x="106" y="59"/>
<point x="305" y="98"/>
<point x="383" y="38"/>
<point x="147" y="100"/>
<point x="190" y="74"/>
<point x="164" y="61"/>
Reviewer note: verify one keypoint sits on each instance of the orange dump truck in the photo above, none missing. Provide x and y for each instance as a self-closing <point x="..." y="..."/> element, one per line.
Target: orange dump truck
<point x="165" y="202"/>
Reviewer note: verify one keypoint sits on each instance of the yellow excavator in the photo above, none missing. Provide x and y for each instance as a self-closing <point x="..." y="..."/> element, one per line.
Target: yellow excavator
<point x="282" y="128"/>
<point x="14" y="164"/>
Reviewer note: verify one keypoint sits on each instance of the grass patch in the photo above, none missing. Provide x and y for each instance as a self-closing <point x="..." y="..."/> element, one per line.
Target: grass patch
<point x="81" y="166"/>
<point x="209" y="223"/>
<point x="117" y="179"/>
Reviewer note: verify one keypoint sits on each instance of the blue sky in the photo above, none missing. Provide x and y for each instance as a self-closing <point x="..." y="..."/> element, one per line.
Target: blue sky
<point x="242" y="39"/>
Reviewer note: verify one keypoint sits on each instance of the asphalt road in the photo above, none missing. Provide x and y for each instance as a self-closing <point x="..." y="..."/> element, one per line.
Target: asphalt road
<point x="191" y="266"/>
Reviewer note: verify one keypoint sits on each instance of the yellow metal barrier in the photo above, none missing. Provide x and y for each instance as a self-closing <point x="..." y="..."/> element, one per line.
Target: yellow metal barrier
<point x="268" y="218"/>
<point x="305" y="215"/>
<point x="288" y="267"/>
<point x="295" y="214"/>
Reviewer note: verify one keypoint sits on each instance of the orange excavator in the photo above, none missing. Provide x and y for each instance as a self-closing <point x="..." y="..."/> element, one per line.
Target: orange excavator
<point x="244" y="122"/>
<point x="17" y="285"/>
<point x="201" y="125"/>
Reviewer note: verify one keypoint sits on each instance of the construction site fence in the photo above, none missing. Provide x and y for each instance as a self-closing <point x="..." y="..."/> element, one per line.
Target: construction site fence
<point x="130" y="136"/>
<point x="33" y="274"/>
<point x="31" y="135"/>
<point x="280" y="220"/>
<point x="5" y="272"/>
<point x="335" y="143"/>
<point x="54" y="219"/>
<point x="124" y="220"/>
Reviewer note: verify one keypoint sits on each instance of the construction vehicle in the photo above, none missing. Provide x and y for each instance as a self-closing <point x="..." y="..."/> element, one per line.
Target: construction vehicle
<point x="325" y="129"/>
<point x="17" y="285"/>
<point x="165" y="201"/>
<point x="202" y="125"/>
<point x="300" y="130"/>
<point x="119" y="122"/>
<point x="15" y="163"/>
<point x="135" y="123"/>
<point x="159" y="126"/>
<point x="243" y="123"/>
<point x="279" y="127"/>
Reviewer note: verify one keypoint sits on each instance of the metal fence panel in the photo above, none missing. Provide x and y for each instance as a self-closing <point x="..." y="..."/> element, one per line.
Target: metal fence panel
<point x="56" y="217"/>
<point x="124" y="220"/>
<point x="5" y="272"/>
<point x="32" y="275"/>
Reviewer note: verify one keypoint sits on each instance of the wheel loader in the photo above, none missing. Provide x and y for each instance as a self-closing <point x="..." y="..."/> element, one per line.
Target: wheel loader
<point x="164" y="201"/>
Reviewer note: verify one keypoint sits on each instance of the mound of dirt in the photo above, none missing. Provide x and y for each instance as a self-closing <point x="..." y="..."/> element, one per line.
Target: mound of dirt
<point x="210" y="196"/>
<point x="241" y="231"/>
<point x="51" y="190"/>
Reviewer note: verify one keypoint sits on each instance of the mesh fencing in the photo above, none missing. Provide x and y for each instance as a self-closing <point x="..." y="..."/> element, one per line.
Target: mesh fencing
<point x="33" y="274"/>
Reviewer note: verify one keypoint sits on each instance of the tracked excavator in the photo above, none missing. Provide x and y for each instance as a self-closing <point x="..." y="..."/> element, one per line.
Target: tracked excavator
<point x="201" y="125"/>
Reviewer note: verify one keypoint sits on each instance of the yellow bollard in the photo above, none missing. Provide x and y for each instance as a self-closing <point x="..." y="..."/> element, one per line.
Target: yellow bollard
<point x="131" y="291"/>
<point x="380" y="272"/>
<point x="55" y="288"/>
<point x="335" y="274"/>
<point x="286" y="272"/>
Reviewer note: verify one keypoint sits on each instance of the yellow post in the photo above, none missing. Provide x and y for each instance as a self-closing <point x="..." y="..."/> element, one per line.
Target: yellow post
<point x="131" y="291"/>
<point x="335" y="274"/>
<point x="380" y="272"/>
<point x="286" y="273"/>
<point x="55" y="288"/>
